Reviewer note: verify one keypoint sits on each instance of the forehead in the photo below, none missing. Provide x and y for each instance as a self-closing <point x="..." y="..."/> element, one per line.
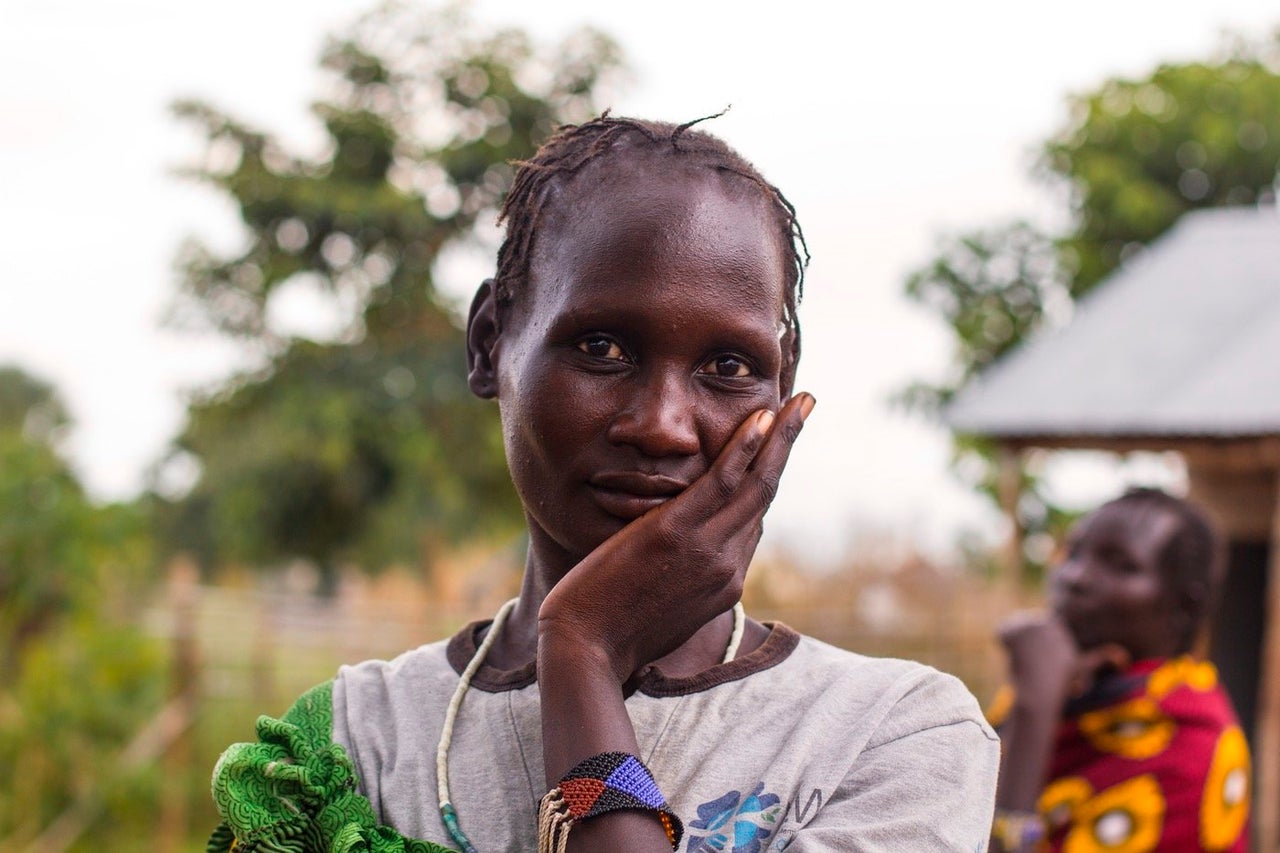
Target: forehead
<point x="660" y="219"/>
<point x="1142" y="528"/>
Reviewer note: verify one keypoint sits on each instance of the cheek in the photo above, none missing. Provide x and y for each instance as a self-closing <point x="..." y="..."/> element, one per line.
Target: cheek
<point x="1143" y="600"/>
<point x="548" y="418"/>
<point x="720" y="418"/>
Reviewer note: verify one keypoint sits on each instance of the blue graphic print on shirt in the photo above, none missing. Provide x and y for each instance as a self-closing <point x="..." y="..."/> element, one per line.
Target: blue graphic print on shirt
<point x="734" y="823"/>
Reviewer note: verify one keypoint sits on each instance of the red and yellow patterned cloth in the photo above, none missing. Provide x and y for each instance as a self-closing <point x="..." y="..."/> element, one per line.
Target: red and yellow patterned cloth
<point x="1150" y="759"/>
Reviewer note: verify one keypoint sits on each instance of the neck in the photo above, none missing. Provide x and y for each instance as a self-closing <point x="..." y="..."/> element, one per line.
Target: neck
<point x="703" y="650"/>
<point x="545" y="564"/>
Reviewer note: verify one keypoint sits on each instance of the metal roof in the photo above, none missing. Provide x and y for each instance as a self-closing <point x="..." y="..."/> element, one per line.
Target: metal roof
<point x="1183" y="341"/>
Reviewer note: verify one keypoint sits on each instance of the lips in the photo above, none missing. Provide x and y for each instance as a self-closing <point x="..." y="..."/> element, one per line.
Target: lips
<point x="630" y="494"/>
<point x="1069" y="605"/>
<point x="1079" y="613"/>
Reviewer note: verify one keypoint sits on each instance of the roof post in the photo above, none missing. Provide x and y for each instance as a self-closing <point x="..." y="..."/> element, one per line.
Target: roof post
<point x="1266" y="801"/>
<point x="1009" y="493"/>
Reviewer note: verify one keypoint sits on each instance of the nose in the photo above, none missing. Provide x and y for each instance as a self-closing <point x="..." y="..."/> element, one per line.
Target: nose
<point x="1070" y="575"/>
<point x="659" y="417"/>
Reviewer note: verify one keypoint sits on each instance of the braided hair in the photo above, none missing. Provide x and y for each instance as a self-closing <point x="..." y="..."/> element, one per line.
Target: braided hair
<point x="574" y="146"/>
<point x="1191" y="561"/>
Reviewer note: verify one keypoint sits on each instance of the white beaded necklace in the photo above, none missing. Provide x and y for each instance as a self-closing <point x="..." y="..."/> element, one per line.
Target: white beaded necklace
<point x="447" y="812"/>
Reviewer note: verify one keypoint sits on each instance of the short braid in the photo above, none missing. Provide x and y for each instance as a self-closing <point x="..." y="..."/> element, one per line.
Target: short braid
<point x="1191" y="559"/>
<point x="574" y="146"/>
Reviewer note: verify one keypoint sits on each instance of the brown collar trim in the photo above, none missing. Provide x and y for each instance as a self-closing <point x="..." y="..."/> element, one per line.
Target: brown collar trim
<point x="462" y="648"/>
<point x="776" y="648"/>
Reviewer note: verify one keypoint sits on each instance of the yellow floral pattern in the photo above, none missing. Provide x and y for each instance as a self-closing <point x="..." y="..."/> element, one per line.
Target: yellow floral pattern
<point x="1199" y="675"/>
<point x="1125" y="818"/>
<point x="1000" y="706"/>
<point x="1163" y="766"/>
<point x="1135" y="729"/>
<point x="1061" y="799"/>
<point x="1224" y="808"/>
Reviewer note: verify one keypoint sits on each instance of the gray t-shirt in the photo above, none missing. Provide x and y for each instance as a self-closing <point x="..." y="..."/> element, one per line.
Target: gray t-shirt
<point x="797" y="746"/>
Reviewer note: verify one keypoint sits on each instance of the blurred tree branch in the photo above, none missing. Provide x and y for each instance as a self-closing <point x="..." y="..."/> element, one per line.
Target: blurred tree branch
<point x="367" y="444"/>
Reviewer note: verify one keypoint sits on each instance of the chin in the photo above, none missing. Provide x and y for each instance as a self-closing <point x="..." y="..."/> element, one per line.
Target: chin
<point x="1078" y="627"/>
<point x="587" y="536"/>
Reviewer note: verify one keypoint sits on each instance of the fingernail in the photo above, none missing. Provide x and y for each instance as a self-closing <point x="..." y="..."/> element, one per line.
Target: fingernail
<point x="764" y="421"/>
<point x="806" y="404"/>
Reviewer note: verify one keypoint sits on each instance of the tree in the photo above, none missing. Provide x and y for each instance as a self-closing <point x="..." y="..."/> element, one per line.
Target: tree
<point x="56" y="545"/>
<point x="1137" y="154"/>
<point x="44" y="516"/>
<point x="1132" y="157"/>
<point x="30" y="406"/>
<point x="78" y="677"/>
<point x="367" y="445"/>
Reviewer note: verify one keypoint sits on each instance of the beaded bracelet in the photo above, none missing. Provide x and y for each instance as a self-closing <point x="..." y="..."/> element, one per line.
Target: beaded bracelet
<point x="1016" y="830"/>
<point x="599" y="784"/>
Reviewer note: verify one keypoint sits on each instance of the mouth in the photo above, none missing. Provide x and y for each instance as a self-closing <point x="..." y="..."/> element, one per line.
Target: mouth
<point x="1066" y="606"/>
<point x="1077" y="613"/>
<point x="630" y="494"/>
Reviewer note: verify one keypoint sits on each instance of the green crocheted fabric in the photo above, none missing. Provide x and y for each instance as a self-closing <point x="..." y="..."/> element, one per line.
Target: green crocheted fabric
<point x="295" y="791"/>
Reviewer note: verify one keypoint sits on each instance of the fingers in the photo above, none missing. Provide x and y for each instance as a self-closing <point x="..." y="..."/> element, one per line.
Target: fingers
<point x="723" y="480"/>
<point x="1095" y="660"/>
<point x="745" y="475"/>
<point x="1017" y="624"/>
<point x="759" y="484"/>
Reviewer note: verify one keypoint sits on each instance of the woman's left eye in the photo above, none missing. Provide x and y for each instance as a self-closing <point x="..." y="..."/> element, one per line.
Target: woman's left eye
<point x="600" y="347"/>
<point x="726" y="366"/>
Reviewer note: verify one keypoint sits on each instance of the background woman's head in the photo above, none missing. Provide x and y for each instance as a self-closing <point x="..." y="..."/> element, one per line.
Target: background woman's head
<point x="1142" y="571"/>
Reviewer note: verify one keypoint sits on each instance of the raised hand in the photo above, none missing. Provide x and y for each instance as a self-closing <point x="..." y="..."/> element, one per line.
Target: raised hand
<point x="1046" y="667"/>
<point x="1045" y="663"/>
<point x="650" y="587"/>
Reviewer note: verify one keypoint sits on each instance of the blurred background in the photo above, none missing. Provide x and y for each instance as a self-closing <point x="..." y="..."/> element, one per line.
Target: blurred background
<point x="236" y="444"/>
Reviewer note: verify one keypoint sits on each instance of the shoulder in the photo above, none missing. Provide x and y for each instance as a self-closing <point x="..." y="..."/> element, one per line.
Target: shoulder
<point x="905" y="758"/>
<point x="901" y="696"/>
<point x="370" y="677"/>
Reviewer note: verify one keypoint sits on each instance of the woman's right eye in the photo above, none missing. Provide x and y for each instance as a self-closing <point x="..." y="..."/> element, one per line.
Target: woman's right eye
<point x="602" y="347"/>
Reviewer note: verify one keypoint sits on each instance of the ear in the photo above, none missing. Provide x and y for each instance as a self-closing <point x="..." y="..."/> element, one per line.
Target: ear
<point x="1192" y="607"/>
<point x="483" y="332"/>
<point x="790" y="361"/>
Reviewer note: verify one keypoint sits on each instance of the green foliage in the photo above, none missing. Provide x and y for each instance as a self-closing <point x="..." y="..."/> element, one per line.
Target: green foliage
<point x="992" y="287"/>
<point x="368" y="446"/>
<point x="45" y="541"/>
<point x="1133" y="156"/>
<point x="79" y="677"/>
<point x="54" y="542"/>
<point x="79" y="697"/>
<point x="29" y="405"/>
<point x="1137" y="154"/>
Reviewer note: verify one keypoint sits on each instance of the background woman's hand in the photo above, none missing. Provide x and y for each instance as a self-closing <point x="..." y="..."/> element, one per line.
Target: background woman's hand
<point x="650" y="587"/>
<point x="1046" y="665"/>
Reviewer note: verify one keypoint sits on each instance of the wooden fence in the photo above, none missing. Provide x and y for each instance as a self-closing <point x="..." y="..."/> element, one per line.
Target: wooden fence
<point x="258" y="644"/>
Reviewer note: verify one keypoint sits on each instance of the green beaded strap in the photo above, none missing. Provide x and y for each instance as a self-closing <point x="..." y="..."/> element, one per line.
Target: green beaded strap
<point x="296" y="791"/>
<point x="449" y="815"/>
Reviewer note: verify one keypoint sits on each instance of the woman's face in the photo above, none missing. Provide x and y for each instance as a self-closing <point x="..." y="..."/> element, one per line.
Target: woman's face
<point x="1110" y="587"/>
<point x="648" y="332"/>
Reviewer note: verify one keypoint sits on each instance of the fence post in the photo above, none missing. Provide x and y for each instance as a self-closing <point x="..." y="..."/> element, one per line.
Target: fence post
<point x="184" y="590"/>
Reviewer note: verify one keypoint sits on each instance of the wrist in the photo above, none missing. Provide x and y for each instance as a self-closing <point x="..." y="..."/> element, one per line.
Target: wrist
<point x="1038" y="702"/>
<point x="565" y="655"/>
<point x="1041" y="686"/>
<point x="608" y="782"/>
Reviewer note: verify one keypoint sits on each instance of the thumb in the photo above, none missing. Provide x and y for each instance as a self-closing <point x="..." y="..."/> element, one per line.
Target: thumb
<point x="1093" y="661"/>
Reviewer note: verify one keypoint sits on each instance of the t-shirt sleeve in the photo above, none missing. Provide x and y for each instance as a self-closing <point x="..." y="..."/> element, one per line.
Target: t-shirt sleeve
<point x="295" y="789"/>
<point x="926" y="781"/>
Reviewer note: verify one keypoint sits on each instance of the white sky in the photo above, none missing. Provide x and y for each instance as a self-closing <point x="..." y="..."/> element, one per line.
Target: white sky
<point x="886" y="124"/>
